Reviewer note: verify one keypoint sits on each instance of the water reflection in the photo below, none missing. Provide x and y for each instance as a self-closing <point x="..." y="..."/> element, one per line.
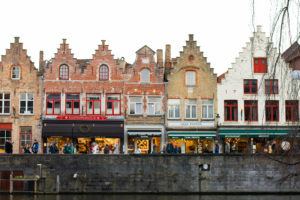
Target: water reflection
<point x="149" y="197"/>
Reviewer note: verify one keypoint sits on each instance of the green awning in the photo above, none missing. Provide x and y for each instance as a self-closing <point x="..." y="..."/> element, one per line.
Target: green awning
<point x="192" y="135"/>
<point x="254" y="133"/>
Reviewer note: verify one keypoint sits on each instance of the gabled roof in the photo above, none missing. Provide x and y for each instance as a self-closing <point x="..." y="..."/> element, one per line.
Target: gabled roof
<point x="292" y="52"/>
<point x="145" y="50"/>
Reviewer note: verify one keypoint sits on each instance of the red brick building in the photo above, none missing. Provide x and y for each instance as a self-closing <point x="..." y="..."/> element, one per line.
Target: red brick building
<point x="20" y="94"/>
<point x="83" y="99"/>
<point x="144" y="102"/>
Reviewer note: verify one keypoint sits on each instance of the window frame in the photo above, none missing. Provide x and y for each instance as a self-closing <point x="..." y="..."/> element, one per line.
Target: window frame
<point x="260" y="67"/>
<point x="149" y="75"/>
<point x="135" y="105"/>
<point x="191" y="109"/>
<point x="72" y="100"/>
<point x="53" y="103"/>
<point x="93" y="101"/>
<point x="231" y="106"/>
<point x="68" y="72"/>
<point x="251" y="106"/>
<point x="207" y="108"/>
<point x="19" y="72"/>
<point x="148" y="102"/>
<point x="5" y="137"/>
<point x="271" y="86"/>
<point x="20" y="139"/>
<point x="272" y="110"/>
<point x="3" y="100"/>
<point x="103" y="75"/>
<point x="185" y="77"/>
<point x="292" y="110"/>
<point x="26" y="104"/>
<point x="172" y="108"/>
<point x="113" y="110"/>
<point x="250" y="86"/>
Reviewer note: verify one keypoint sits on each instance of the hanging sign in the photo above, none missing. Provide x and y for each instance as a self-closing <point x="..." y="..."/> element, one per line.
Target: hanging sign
<point x="81" y="117"/>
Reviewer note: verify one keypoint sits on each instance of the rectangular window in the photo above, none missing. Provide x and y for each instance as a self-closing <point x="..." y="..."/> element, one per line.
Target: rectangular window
<point x="250" y="110"/>
<point x="231" y="111"/>
<point x="260" y="65"/>
<point x="136" y="105"/>
<point x="113" y="104"/>
<point x="191" y="109"/>
<point x="53" y="104"/>
<point x="250" y="86"/>
<point x="72" y="104"/>
<point x="207" y="109"/>
<point x="4" y="135"/>
<point x="190" y="78"/>
<point x="174" y="108"/>
<point x="26" y="104"/>
<point x="292" y="110"/>
<point x="93" y="104"/>
<point x="25" y="137"/>
<point x="271" y="86"/>
<point x="154" y="105"/>
<point x="272" y="110"/>
<point x="4" y="103"/>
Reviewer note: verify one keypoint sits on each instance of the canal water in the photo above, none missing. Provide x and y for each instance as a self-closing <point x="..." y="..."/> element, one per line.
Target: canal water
<point x="148" y="197"/>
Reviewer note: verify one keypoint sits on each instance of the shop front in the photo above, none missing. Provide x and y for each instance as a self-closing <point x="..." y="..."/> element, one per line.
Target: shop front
<point x="193" y="142"/>
<point x="5" y="134"/>
<point x="253" y="140"/>
<point x="82" y="133"/>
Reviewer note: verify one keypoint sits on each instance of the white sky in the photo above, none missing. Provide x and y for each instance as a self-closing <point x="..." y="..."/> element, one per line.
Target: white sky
<point x="221" y="27"/>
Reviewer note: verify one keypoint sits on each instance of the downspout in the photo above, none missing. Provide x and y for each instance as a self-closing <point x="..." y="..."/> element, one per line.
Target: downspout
<point x="165" y="118"/>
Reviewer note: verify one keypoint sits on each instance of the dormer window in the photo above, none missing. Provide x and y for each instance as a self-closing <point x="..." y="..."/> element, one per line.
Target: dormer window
<point x="145" y="76"/>
<point x="103" y="73"/>
<point x="16" y="73"/>
<point x="64" y="72"/>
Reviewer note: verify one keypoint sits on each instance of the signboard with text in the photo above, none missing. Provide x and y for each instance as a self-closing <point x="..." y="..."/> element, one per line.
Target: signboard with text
<point x="190" y="124"/>
<point x="81" y="117"/>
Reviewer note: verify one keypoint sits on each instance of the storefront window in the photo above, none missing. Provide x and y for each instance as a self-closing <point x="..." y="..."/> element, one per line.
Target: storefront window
<point x="191" y="109"/>
<point x="26" y="104"/>
<point x="4" y="103"/>
<point x="25" y="137"/>
<point x="174" y="108"/>
<point x="4" y="135"/>
<point x="73" y="104"/>
<point x="113" y="104"/>
<point x="154" y="105"/>
<point x="136" y="105"/>
<point x="93" y="103"/>
<point x="207" y="109"/>
<point x="53" y="104"/>
<point x="193" y="146"/>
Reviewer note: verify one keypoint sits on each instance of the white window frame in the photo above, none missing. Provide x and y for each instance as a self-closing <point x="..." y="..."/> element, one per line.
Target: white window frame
<point x="189" y="80"/>
<point x="3" y="100"/>
<point x="26" y="112"/>
<point x="156" y="104"/>
<point x="190" y="103"/>
<point x="148" y="75"/>
<point x="209" y="104"/>
<point x="172" y="104"/>
<point x="134" y="101"/>
<point x="13" y="72"/>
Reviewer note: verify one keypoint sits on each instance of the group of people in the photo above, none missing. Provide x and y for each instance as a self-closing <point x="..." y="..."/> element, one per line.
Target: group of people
<point x="107" y="149"/>
<point x="26" y="149"/>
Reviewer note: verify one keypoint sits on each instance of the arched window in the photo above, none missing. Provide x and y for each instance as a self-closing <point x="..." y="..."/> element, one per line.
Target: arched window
<point x="145" y="76"/>
<point x="190" y="78"/>
<point x="64" y="72"/>
<point x="103" y="73"/>
<point x="16" y="73"/>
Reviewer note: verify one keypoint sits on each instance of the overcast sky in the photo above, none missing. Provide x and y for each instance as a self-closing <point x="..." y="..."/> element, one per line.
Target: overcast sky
<point x="220" y="27"/>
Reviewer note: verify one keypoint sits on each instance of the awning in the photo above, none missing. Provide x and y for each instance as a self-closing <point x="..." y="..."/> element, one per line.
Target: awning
<point x="192" y="135"/>
<point x="144" y="133"/>
<point x="254" y="133"/>
<point x="77" y="129"/>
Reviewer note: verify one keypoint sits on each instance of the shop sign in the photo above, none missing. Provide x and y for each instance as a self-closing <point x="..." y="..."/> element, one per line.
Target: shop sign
<point x="190" y="124"/>
<point x="81" y="117"/>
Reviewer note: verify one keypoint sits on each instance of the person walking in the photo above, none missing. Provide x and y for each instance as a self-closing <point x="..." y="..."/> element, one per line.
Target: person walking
<point x="106" y="149"/>
<point x="95" y="148"/>
<point x="170" y="147"/>
<point x="175" y="148"/>
<point x="35" y="146"/>
<point x="53" y="148"/>
<point x="8" y="146"/>
<point x="26" y="149"/>
<point x="154" y="151"/>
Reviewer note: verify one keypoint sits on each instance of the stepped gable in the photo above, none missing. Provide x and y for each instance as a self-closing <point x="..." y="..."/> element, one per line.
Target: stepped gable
<point x="64" y="55"/>
<point x="191" y="57"/>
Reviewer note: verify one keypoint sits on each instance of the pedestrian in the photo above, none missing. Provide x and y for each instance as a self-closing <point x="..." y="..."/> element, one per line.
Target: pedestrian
<point x="274" y="150"/>
<point x="53" y="148"/>
<point x="217" y="149"/>
<point x="175" y="148"/>
<point x="67" y="149"/>
<point x="170" y="147"/>
<point x="95" y="148"/>
<point x="164" y="149"/>
<point x="8" y="146"/>
<point x="106" y="149"/>
<point x="117" y="151"/>
<point x="154" y="151"/>
<point x="26" y="149"/>
<point x="35" y="146"/>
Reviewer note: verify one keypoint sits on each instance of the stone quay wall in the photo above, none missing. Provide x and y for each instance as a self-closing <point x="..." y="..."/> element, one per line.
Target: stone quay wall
<point x="158" y="173"/>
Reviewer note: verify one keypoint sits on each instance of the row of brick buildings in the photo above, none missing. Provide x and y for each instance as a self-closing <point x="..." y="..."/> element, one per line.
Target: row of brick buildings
<point x="145" y="104"/>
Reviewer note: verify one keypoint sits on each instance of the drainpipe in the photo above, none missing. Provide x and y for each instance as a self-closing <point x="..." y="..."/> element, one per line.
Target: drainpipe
<point x="164" y="137"/>
<point x="41" y="117"/>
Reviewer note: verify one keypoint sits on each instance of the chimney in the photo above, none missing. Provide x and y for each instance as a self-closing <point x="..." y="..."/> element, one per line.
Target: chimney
<point x="17" y="39"/>
<point x="64" y="41"/>
<point x="122" y="64"/>
<point x="159" y="54"/>
<point x="41" y="64"/>
<point x="258" y="28"/>
<point x="168" y="56"/>
<point x="191" y="37"/>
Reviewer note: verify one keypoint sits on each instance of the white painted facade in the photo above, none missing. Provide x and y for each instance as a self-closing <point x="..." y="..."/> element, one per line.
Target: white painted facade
<point x="232" y="85"/>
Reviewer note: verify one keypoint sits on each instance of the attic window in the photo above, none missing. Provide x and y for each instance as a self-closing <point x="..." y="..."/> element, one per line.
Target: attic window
<point x="145" y="60"/>
<point x="15" y="73"/>
<point x="145" y="76"/>
<point x="82" y="69"/>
